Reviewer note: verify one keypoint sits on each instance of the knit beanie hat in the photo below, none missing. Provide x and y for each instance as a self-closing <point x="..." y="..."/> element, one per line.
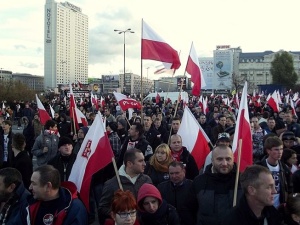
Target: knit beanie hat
<point x="63" y="141"/>
<point x="84" y="129"/>
<point x="123" y="123"/>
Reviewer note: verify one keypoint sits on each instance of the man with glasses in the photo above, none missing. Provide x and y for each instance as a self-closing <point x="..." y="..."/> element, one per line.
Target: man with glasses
<point x="281" y="174"/>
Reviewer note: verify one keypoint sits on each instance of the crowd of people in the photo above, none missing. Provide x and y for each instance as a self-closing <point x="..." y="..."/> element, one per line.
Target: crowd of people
<point x="161" y="182"/>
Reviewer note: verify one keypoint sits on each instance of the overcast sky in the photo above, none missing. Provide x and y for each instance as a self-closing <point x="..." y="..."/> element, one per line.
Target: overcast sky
<point x="254" y="25"/>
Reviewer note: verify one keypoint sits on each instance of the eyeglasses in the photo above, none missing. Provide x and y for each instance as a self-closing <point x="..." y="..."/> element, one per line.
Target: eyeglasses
<point x="124" y="215"/>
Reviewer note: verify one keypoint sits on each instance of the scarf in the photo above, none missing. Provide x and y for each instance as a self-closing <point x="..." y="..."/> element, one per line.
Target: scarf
<point x="176" y="155"/>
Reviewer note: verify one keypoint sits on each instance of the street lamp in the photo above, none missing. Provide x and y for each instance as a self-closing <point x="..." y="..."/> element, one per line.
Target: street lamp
<point x="124" y="32"/>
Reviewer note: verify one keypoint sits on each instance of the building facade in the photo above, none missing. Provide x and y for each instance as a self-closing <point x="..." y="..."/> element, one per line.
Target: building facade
<point x="33" y="82"/>
<point x="66" y="44"/>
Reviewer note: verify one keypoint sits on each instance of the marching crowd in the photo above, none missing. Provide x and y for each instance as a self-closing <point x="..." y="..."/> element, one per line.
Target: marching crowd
<point x="161" y="181"/>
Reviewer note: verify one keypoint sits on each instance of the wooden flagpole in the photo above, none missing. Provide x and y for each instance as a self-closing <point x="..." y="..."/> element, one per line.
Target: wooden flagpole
<point x="117" y="173"/>
<point x="237" y="172"/>
<point x="74" y="125"/>
<point x="142" y="74"/>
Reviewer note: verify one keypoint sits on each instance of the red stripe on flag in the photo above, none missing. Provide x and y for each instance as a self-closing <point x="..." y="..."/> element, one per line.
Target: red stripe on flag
<point x="194" y="71"/>
<point x="160" y="51"/>
<point x="200" y="150"/>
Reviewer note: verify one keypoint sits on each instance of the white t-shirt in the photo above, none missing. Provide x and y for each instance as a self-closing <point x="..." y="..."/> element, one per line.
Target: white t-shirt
<point x="275" y="170"/>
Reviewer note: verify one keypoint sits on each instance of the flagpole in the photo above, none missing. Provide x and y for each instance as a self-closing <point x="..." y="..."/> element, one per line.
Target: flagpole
<point x="117" y="173"/>
<point x="74" y="125"/>
<point x="142" y="72"/>
<point x="237" y="172"/>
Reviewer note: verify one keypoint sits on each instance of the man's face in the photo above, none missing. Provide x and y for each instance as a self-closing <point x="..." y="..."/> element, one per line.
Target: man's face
<point x="288" y="143"/>
<point x="54" y="128"/>
<point x="38" y="191"/>
<point x="132" y="131"/>
<point x="66" y="149"/>
<point x="80" y="134"/>
<point x="288" y="117"/>
<point x="255" y="123"/>
<point x="271" y="124"/>
<point x="275" y="153"/>
<point x="175" y="125"/>
<point x="222" y="121"/>
<point x="222" y="160"/>
<point x="56" y="115"/>
<point x="202" y="119"/>
<point x="177" y="174"/>
<point x="157" y="123"/>
<point x="147" y="121"/>
<point x="134" y="115"/>
<point x="264" y="193"/>
<point x="176" y="143"/>
<point x="107" y="112"/>
<point x="5" y="192"/>
<point x="138" y="166"/>
<point x="229" y="122"/>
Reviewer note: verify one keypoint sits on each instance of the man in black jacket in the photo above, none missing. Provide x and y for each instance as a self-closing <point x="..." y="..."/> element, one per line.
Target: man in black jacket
<point x="214" y="189"/>
<point x="177" y="192"/>
<point x="137" y="140"/>
<point x="256" y="205"/>
<point x="281" y="174"/>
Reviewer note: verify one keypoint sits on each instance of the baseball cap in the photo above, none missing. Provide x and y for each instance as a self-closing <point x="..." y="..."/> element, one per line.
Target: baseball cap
<point x="288" y="135"/>
<point x="223" y="137"/>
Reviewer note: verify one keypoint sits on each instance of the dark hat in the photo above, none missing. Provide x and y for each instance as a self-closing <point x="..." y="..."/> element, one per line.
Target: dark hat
<point x="223" y="137"/>
<point x="63" y="141"/>
<point x="84" y="129"/>
<point x="113" y="126"/>
<point x="123" y="122"/>
<point x="288" y="135"/>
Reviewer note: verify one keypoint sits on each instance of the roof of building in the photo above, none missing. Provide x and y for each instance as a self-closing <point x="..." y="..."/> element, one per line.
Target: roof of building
<point x="259" y="55"/>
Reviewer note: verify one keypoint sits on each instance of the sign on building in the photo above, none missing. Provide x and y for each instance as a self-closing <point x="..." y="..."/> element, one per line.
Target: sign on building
<point x="223" y="69"/>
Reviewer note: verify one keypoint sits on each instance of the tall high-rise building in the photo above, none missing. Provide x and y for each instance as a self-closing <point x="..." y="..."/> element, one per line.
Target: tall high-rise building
<point x="66" y="44"/>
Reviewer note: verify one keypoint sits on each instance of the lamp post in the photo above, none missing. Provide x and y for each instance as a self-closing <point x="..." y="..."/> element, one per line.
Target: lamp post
<point x="124" y="32"/>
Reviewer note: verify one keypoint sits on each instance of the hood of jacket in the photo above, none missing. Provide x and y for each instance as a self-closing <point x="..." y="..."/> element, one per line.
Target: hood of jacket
<point x="148" y="190"/>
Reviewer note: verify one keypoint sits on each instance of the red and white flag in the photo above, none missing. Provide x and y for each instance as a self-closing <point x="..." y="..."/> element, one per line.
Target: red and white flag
<point x="126" y="103"/>
<point x="205" y="107"/>
<point x="193" y="137"/>
<point x="43" y="114"/>
<point x="272" y="101"/>
<point x="193" y="69"/>
<point x="243" y="131"/>
<point x="94" y="101"/>
<point x="95" y="153"/>
<point x="79" y="84"/>
<point x="293" y="108"/>
<point x="81" y="118"/>
<point x="155" y="48"/>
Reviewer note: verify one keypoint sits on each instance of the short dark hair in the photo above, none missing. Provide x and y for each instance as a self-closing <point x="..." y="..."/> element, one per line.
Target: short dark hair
<point x="7" y="122"/>
<point x="139" y="128"/>
<point x="176" y="118"/>
<point x="177" y="163"/>
<point x="286" y="155"/>
<point x="50" y="123"/>
<point x="130" y="155"/>
<point x="250" y="176"/>
<point x="11" y="176"/>
<point x="18" y="141"/>
<point x="48" y="174"/>
<point x="271" y="142"/>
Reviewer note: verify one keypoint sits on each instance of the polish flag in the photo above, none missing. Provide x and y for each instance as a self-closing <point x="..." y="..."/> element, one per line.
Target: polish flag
<point x="80" y="118"/>
<point x="205" y="107"/>
<point x="193" y="137"/>
<point x="94" y="100"/>
<point x="126" y="103"/>
<point x="72" y="103"/>
<point x="296" y="96"/>
<point x="52" y="111"/>
<point x="102" y="101"/>
<point x="3" y="106"/>
<point x="155" y="48"/>
<point x="287" y="97"/>
<point x="44" y="116"/>
<point x="95" y="153"/>
<point x="194" y="70"/>
<point x="80" y="84"/>
<point x="243" y="131"/>
<point x="293" y="108"/>
<point x="272" y="101"/>
<point x="81" y="101"/>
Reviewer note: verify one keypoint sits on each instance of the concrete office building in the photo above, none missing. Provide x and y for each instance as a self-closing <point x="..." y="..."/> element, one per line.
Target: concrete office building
<point x="66" y="44"/>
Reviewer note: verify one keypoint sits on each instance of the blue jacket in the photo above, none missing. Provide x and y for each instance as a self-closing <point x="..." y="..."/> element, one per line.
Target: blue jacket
<point x="16" y="209"/>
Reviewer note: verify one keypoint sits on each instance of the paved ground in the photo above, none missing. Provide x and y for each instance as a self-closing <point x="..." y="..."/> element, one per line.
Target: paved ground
<point x="15" y="130"/>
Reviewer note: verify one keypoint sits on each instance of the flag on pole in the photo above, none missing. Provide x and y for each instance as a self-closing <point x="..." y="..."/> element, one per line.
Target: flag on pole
<point x="293" y="108"/>
<point x="80" y="118"/>
<point x="272" y="101"/>
<point x="44" y="116"/>
<point x="157" y="98"/>
<point x="95" y="153"/>
<point x="3" y="106"/>
<point x="194" y="70"/>
<point x="126" y="103"/>
<point x="193" y="137"/>
<point x="243" y="131"/>
<point x="79" y="84"/>
<point x="155" y="48"/>
<point x="52" y="111"/>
